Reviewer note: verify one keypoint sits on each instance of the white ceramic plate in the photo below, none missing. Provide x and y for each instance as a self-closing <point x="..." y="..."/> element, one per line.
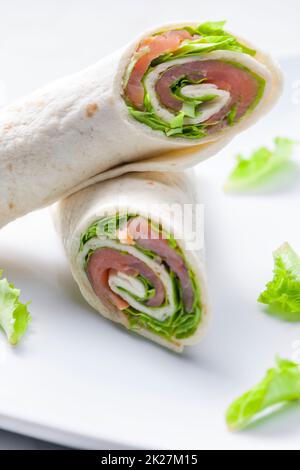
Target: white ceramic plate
<point x="77" y="379"/>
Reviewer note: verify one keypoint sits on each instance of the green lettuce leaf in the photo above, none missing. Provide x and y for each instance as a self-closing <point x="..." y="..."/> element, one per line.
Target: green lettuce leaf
<point x="282" y="294"/>
<point x="216" y="28"/>
<point x="251" y="172"/>
<point x="213" y="37"/>
<point x="189" y="109"/>
<point x="202" y="46"/>
<point x="14" y="316"/>
<point x="106" y="226"/>
<point x="177" y="122"/>
<point x="281" y="384"/>
<point x="211" y="27"/>
<point x="153" y="121"/>
<point x="149" y="118"/>
<point x="231" y="115"/>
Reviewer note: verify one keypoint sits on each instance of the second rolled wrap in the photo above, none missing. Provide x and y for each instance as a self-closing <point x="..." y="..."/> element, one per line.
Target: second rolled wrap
<point x="174" y="97"/>
<point x="130" y="259"/>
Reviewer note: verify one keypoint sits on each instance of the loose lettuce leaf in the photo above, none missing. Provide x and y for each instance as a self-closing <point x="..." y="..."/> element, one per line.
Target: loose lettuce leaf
<point x="282" y="294"/>
<point x="14" y="316"/>
<point x="281" y="384"/>
<point x="253" y="171"/>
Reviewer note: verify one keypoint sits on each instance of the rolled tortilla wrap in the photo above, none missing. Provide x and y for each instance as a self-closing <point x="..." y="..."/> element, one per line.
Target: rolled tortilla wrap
<point x="89" y="127"/>
<point x="131" y="258"/>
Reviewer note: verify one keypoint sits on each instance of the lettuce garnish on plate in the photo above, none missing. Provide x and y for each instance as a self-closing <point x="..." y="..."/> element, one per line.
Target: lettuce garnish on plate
<point x="282" y="294"/>
<point x="263" y="163"/>
<point x="14" y="315"/>
<point x="281" y="384"/>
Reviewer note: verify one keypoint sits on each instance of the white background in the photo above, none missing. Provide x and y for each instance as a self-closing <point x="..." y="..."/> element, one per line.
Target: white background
<point x="43" y="40"/>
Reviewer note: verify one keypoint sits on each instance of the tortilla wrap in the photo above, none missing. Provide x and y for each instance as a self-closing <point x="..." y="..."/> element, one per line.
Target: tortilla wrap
<point x="95" y="247"/>
<point x="78" y="131"/>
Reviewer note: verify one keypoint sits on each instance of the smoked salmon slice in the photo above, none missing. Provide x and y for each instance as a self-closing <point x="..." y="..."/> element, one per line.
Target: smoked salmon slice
<point x="154" y="47"/>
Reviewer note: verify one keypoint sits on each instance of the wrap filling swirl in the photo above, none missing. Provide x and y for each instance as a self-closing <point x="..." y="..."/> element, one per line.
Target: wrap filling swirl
<point x="136" y="267"/>
<point x="193" y="82"/>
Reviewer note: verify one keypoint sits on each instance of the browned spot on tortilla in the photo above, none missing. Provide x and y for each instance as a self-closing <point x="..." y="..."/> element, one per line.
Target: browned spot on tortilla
<point x="151" y="183"/>
<point x="8" y="126"/>
<point x="91" y="109"/>
<point x="11" y="205"/>
<point x="9" y="166"/>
